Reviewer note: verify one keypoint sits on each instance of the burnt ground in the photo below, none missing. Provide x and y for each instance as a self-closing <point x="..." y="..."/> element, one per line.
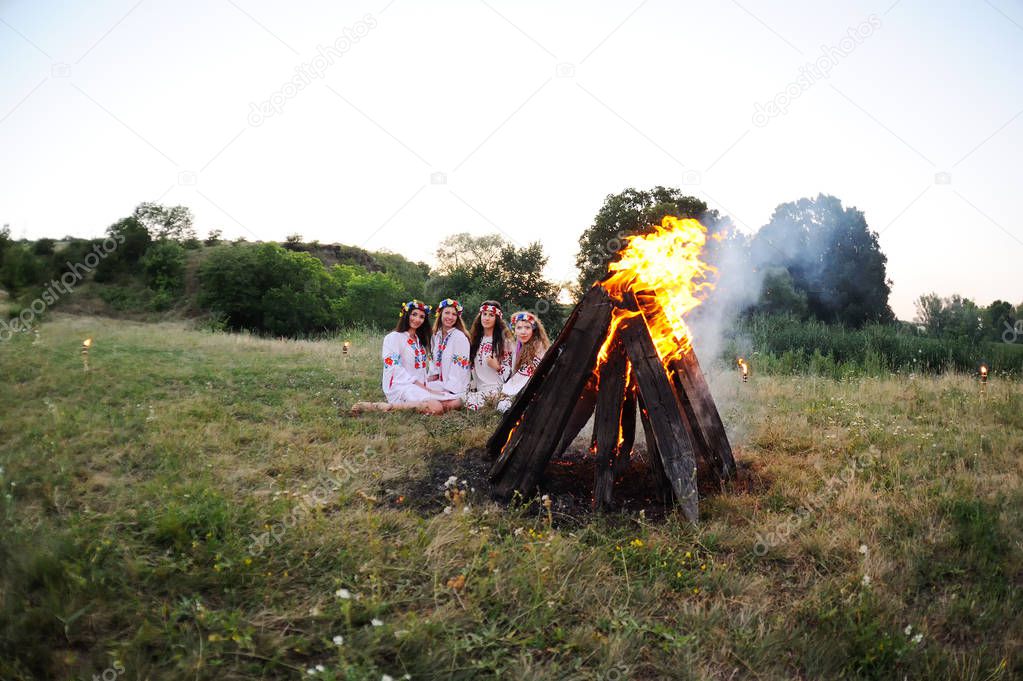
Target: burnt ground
<point x="568" y="480"/>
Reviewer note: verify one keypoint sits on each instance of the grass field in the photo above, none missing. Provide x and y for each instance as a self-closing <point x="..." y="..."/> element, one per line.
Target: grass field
<point x="194" y="507"/>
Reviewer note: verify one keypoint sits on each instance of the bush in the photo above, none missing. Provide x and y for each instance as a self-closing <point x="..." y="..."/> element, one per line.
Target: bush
<point x="164" y="267"/>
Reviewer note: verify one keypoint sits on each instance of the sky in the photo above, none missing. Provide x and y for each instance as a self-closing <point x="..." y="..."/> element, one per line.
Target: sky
<point x="390" y="124"/>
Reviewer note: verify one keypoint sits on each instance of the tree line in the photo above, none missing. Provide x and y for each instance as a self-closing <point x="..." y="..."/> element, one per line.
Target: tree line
<point x="814" y="260"/>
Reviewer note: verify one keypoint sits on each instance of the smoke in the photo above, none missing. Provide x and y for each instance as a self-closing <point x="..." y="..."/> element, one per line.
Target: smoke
<point x="737" y="287"/>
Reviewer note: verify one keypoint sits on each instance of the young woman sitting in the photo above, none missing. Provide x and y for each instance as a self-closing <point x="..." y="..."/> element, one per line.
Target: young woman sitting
<point x="490" y="353"/>
<point x="449" y="373"/>
<point x="531" y="344"/>
<point x="406" y="359"/>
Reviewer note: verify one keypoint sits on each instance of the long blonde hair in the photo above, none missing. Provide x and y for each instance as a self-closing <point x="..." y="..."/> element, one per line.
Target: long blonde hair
<point x="536" y="345"/>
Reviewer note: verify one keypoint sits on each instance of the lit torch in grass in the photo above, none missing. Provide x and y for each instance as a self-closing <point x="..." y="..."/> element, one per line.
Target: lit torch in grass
<point x="346" y="350"/>
<point x="86" y="344"/>
<point x="983" y="377"/>
<point x="743" y="369"/>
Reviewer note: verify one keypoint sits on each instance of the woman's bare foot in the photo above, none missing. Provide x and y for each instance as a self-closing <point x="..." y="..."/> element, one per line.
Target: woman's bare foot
<point x="363" y="407"/>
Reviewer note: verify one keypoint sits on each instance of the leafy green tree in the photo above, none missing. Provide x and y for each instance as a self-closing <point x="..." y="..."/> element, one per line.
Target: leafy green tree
<point x="20" y="268"/>
<point x="267" y="288"/>
<point x="780" y="296"/>
<point x="5" y="240"/>
<point x="410" y="275"/>
<point x="474" y="269"/>
<point x="133" y="238"/>
<point x="832" y="256"/>
<point x="43" y="247"/>
<point x="164" y="267"/>
<point x="952" y="317"/>
<point x="999" y="318"/>
<point x="630" y="212"/>
<point x="167" y="222"/>
<point x="372" y="298"/>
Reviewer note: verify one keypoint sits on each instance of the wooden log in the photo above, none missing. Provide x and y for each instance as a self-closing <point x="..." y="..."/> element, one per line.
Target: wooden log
<point x="703" y="414"/>
<point x="500" y="438"/>
<point x="664" y="415"/>
<point x="580" y="416"/>
<point x="544" y="415"/>
<point x="662" y="488"/>
<point x="628" y="426"/>
<point x="607" y="423"/>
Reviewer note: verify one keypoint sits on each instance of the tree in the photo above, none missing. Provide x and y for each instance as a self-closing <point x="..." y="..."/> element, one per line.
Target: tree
<point x="474" y="269"/>
<point x="832" y="256"/>
<point x="780" y="296"/>
<point x="999" y="318"/>
<point x="465" y="252"/>
<point x="133" y="238"/>
<point x="952" y="317"/>
<point x="20" y="268"/>
<point x="44" y="247"/>
<point x="213" y="237"/>
<point x="372" y="298"/>
<point x="164" y="267"/>
<point x="163" y="222"/>
<point x="630" y="212"/>
<point x="5" y="240"/>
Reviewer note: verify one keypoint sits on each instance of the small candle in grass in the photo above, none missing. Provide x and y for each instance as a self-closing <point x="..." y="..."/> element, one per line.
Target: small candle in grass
<point x="86" y="344"/>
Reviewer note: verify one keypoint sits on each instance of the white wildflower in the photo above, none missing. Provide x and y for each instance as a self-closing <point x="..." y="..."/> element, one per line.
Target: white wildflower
<point x="376" y="623"/>
<point x="447" y="509"/>
<point x="310" y="671"/>
<point x="386" y="677"/>
<point x="320" y="668"/>
<point x="452" y="481"/>
<point x="339" y="640"/>
<point x="866" y="580"/>
<point x="863" y="549"/>
<point x="908" y="630"/>
<point x="917" y="639"/>
<point x="343" y="593"/>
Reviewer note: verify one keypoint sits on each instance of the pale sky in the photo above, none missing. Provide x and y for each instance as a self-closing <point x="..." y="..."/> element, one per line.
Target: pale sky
<point x="519" y="117"/>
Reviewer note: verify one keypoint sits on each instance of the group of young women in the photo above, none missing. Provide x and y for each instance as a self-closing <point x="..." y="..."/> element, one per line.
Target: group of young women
<point x="481" y="367"/>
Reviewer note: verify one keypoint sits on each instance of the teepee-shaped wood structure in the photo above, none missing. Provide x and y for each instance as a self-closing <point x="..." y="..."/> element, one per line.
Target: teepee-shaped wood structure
<point x="607" y="362"/>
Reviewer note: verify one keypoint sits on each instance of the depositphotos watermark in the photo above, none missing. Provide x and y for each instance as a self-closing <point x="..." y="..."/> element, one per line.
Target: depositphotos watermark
<point x="326" y="489"/>
<point x="58" y="287"/>
<point x="1012" y="331"/>
<point x="811" y="72"/>
<point x="306" y="73"/>
<point x="804" y="515"/>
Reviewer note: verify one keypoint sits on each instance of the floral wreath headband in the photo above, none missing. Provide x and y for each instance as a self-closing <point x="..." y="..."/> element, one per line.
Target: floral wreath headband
<point x="415" y="305"/>
<point x="449" y="302"/>
<point x="524" y="317"/>
<point x="492" y="309"/>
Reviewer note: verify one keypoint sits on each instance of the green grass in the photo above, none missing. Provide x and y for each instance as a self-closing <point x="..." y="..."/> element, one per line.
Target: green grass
<point x="189" y="507"/>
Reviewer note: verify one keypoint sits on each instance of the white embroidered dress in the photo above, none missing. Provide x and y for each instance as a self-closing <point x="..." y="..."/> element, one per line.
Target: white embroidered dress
<point x="486" y="380"/>
<point x="405" y="364"/>
<point x="449" y="374"/>
<point x="521" y="377"/>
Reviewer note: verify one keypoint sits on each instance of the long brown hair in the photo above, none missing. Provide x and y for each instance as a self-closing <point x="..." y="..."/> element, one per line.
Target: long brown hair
<point x="500" y="335"/>
<point x="423" y="332"/>
<point x="536" y="344"/>
<point x="438" y="323"/>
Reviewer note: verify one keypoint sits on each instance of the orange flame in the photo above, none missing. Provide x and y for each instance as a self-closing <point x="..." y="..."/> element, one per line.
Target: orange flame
<point x="743" y="366"/>
<point x="665" y="271"/>
<point x="86" y="343"/>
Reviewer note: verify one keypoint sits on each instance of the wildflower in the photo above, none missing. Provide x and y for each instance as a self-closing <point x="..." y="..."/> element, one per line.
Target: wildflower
<point x="447" y="510"/>
<point x="451" y="482"/>
<point x="863" y="549"/>
<point x="917" y="639"/>
<point x="518" y="531"/>
<point x="310" y="671"/>
<point x="343" y="594"/>
<point x="689" y="554"/>
<point x="386" y="677"/>
<point x="696" y="590"/>
<point x="320" y="668"/>
<point x="376" y="623"/>
<point x="339" y="640"/>
<point x="866" y="580"/>
<point x="638" y="543"/>
<point x="908" y="630"/>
